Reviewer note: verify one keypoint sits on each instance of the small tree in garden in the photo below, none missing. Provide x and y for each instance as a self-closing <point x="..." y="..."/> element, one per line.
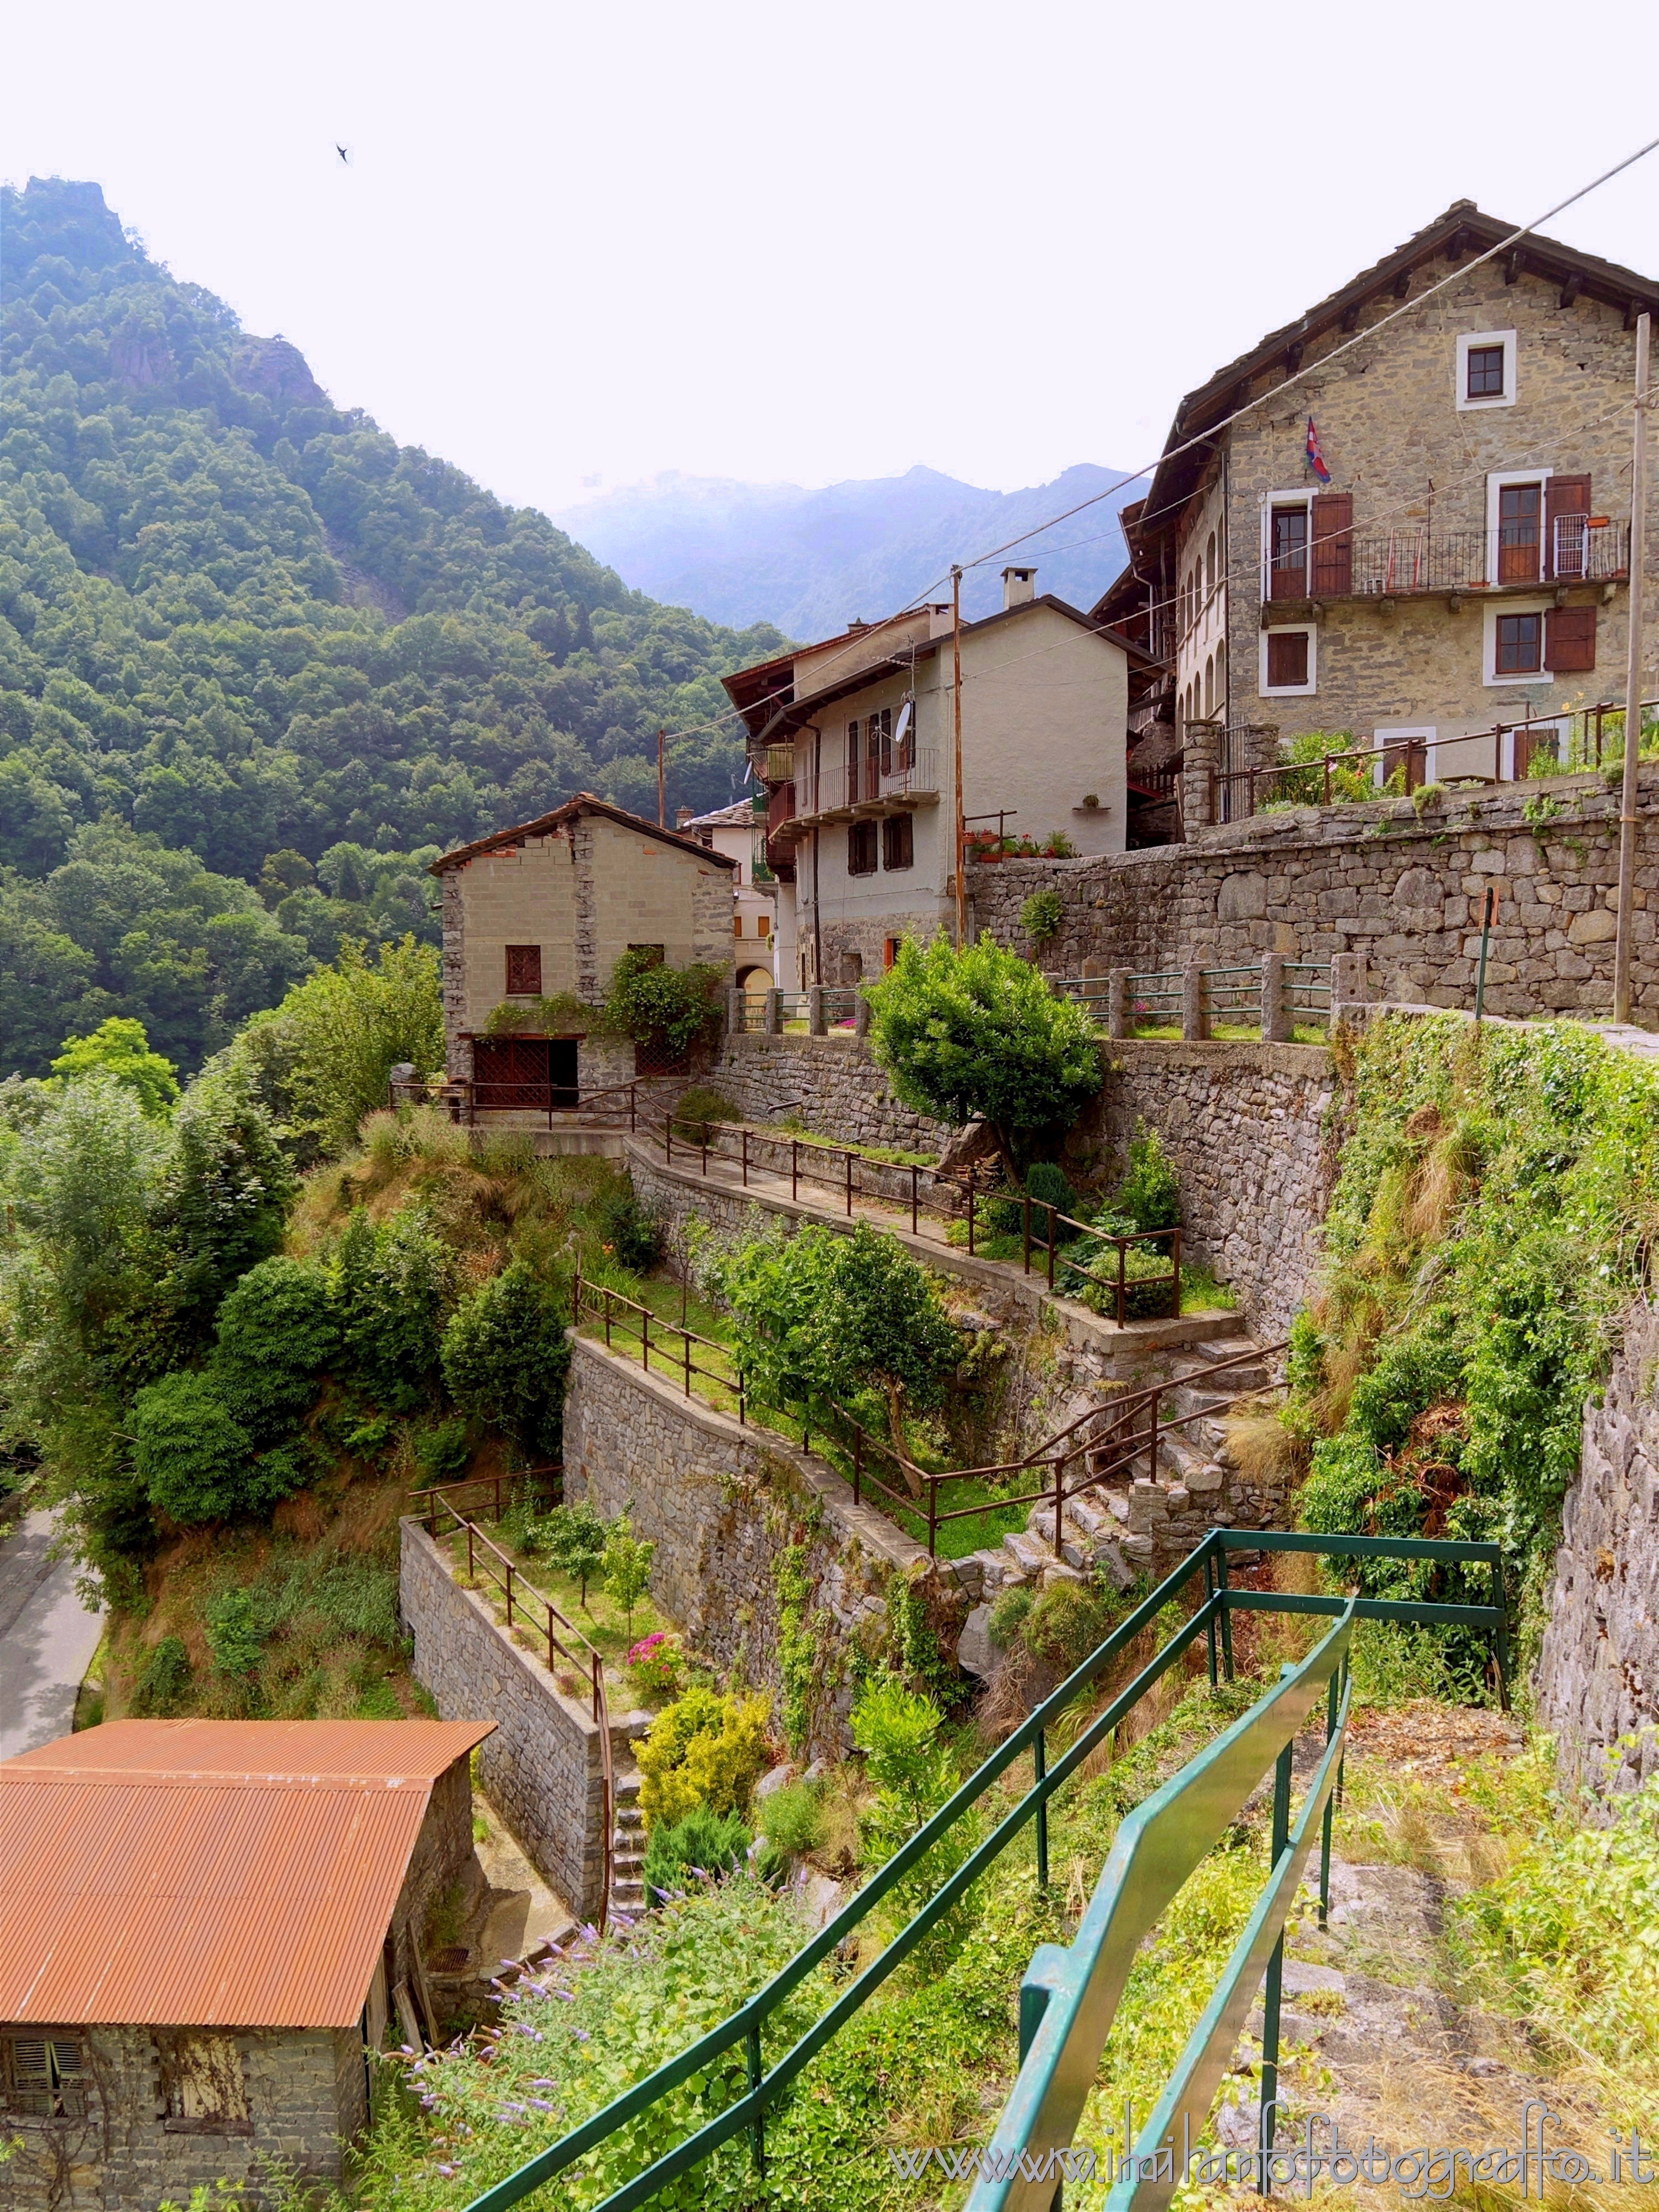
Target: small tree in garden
<point x="573" y="1537"/>
<point x="626" y="1565"/>
<point x="979" y="1032"/>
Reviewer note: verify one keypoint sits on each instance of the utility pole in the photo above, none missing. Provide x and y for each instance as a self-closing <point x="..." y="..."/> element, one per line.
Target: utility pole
<point x="1638" y="518"/>
<point x="955" y="747"/>
<point x="662" y="788"/>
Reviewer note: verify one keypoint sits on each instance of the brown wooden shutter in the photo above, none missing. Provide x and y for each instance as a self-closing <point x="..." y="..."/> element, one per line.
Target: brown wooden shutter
<point x="1564" y="497"/>
<point x="524" y="971"/>
<point x="1333" y="545"/>
<point x="1570" y="639"/>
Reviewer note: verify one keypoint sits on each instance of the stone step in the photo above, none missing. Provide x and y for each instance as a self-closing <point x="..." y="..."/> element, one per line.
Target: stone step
<point x="1030" y="1554"/>
<point x="627" y="1785"/>
<point x="628" y="1816"/>
<point x="1090" y="1514"/>
<point x="629" y="1895"/>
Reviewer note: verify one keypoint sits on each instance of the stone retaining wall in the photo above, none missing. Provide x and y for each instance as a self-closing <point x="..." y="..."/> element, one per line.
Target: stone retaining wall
<point x="723" y="1504"/>
<point x="1598" y="1674"/>
<point x="542" y="1767"/>
<point x="1397" y="884"/>
<point x="831" y="1082"/>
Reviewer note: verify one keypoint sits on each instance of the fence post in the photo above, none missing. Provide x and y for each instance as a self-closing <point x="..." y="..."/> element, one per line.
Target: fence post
<point x="735" y="1009"/>
<point x="916" y="1185"/>
<point x="1053" y="1231"/>
<point x="1271" y="1987"/>
<point x="1209" y="1603"/>
<point x="668" y="1139"/>
<point x="860" y="1014"/>
<point x="774" y="1013"/>
<point x="645" y="1338"/>
<point x="1275" y="1013"/>
<point x="509" y="1592"/>
<point x="849" y="1185"/>
<point x="745" y="1156"/>
<point x="1059" y="1497"/>
<point x="1039" y="1773"/>
<point x="794" y="1167"/>
<point x="1025" y="1219"/>
<point x="1120" y="1019"/>
<point x="932" y="1520"/>
<point x="1195" y="1019"/>
<point x="1347" y="982"/>
<point x="1331" y="1707"/>
<point x="815" y="1009"/>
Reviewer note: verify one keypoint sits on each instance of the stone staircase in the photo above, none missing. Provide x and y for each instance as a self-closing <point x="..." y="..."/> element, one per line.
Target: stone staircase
<point x="628" y="1846"/>
<point x="1139" y="1520"/>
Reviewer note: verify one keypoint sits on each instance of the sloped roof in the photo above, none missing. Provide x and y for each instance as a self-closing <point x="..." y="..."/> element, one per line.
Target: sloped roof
<point x="546" y="824"/>
<point x="210" y="1874"/>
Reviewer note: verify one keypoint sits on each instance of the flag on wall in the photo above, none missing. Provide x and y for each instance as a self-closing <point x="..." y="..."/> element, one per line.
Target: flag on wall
<point x="1315" y="457"/>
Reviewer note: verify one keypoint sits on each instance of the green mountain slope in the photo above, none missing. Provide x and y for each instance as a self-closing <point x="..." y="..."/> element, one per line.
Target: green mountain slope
<point x="246" y="619"/>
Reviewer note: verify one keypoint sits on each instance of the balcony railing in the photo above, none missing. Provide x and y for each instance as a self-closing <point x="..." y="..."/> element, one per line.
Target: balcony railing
<point x="1571" y="549"/>
<point x="844" y="786"/>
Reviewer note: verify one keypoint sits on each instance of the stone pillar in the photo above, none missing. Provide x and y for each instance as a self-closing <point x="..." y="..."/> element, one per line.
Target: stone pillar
<point x="1275" y="1014"/>
<point x="815" y="1011"/>
<point x="735" y="1010"/>
<point x="861" y="1015"/>
<point x="1347" y="982"/>
<point x="1194" y="1022"/>
<point x="774" y="1013"/>
<point x="1119" y="1015"/>
<point x="1200" y="754"/>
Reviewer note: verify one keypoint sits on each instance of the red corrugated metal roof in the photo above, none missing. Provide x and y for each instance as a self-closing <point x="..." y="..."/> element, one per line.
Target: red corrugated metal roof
<point x="210" y="1873"/>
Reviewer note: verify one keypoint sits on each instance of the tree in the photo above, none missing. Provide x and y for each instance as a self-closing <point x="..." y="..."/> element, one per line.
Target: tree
<point x="626" y="1566"/>
<point x="574" y="1538"/>
<point x="392" y="1286"/>
<point x="278" y="1330"/>
<point x="506" y="1358"/>
<point x="196" y="1461"/>
<point x="119" y="1048"/>
<point x="979" y="1032"/>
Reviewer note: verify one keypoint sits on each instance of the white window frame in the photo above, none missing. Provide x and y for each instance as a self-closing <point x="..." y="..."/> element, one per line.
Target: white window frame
<point x="1496" y="481"/>
<point x="1381" y="739"/>
<point x="1489" y="675"/>
<point x="1301" y="496"/>
<point x="1264" y="689"/>
<point x="1504" y="398"/>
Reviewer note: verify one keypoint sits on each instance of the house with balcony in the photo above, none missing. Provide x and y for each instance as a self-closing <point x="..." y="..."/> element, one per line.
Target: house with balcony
<point x="854" y="739"/>
<point x="739" y="832"/>
<point x="1463" y="567"/>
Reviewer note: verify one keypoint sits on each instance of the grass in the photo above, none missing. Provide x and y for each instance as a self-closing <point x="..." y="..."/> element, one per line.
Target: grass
<point x="601" y="1619"/>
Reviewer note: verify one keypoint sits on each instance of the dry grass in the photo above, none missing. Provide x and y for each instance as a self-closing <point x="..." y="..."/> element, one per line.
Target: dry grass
<point x="1262" y="1449"/>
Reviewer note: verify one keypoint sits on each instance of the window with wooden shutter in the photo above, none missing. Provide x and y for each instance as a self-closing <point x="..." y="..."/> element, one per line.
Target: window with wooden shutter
<point x="852" y="764"/>
<point x="861" y="849"/>
<point x="883" y="722"/>
<point x="524" y="971"/>
<point x="898" y="846"/>
<point x="1333" y="545"/>
<point x="1287" y="657"/>
<point x="1289" y="553"/>
<point x="1520" y="516"/>
<point x="1570" y="639"/>
<point x="45" y="2076"/>
<point x="1566" y="513"/>
<point x="1519" y="645"/>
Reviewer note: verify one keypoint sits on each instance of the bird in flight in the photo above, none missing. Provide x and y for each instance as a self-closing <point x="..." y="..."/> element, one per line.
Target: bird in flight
<point x="344" y="154"/>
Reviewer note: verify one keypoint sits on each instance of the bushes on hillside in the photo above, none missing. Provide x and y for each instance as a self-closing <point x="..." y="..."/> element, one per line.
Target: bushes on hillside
<point x="700" y="1844"/>
<point x="276" y="1332"/>
<point x="196" y="1460"/>
<point x="706" y="1749"/>
<point x="505" y="1358"/>
<point x="393" y="1283"/>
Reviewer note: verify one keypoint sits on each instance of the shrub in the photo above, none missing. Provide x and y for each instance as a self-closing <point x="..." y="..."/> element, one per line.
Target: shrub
<point x="698" y="1110"/>
<point x="119" y="1046"/>
<point x="625" y="1229"/>
<point x="235" y="1631"/>
<point x="164" y="1686"/>
<point x="1042" y="915"/>
<point x="792" y="1820"/>
<point x="442" y="1451"/>
<point x="656" y="1004"/>
<point x="897" y="1731"/>
<point x="1150" y="1192"/>
<point x="708" y="1748"/>
<point x="702" y="1843"/>
<point x="506" y="1358"/>
<point x="626" y="1567"/>
<point x="1065" y="1625"/>
<point x="391" y="1286"/>
<point x="654" y="1665"/>
<point x="1008" y="1617"/>
<point x="276" y="1331"/>
<point x="195" y="1458"/>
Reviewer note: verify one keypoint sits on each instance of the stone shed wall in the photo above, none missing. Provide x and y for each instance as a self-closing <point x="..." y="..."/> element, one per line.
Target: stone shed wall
<point x="1398" y="885"/>
<point x="1598" y="1675"/>
<point x="543" y="1766"/>
<point x="722" y="1504"/>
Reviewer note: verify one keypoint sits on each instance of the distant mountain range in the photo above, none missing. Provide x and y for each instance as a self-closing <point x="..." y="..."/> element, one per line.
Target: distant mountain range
<point x="811" y="561"/>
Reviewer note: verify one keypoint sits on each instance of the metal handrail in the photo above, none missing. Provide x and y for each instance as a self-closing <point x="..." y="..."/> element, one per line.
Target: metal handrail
<point x="589" y="1660"/>
<point x="749" y="1134"/>
<point x="1211" y="1618"/>
<point x="611" y="1308"/>
<point x="461" y="1094"/>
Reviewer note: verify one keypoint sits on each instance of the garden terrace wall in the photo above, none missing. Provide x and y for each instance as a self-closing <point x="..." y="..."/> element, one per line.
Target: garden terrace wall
<point x="722" y="1504"/>
<point x="1395" y="883"/>
<point x="543" y="1768"/>
<point x="831" y="1082"/>
<point x="1598" y="1674"/>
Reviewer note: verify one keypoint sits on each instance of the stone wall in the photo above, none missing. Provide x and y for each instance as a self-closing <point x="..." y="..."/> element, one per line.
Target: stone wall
<point x="1398" y="884"/>
<point x="542" y="1767"/>
<point x="722" y="1504"/>
<point x="1598" y="1674"/>
<point x="304" y="2090"/>
<point x="831" y="1082"/>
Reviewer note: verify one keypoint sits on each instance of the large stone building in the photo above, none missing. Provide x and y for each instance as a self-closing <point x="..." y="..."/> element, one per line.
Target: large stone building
<point x="206" y="1927"/>
<point x="544" y="912"/>
<point x="854" y="739"/>
<point x="1466" y="564"/>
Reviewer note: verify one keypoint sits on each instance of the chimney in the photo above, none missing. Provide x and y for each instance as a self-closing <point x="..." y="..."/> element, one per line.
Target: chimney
<point x="857" y="623"/>
<point x="939" y="619"/>
<point x="681" y="816"/>
<point x="1018" y="585"/>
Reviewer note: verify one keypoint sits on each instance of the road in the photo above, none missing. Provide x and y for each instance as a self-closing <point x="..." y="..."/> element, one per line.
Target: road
<point x="47" y="1638"/>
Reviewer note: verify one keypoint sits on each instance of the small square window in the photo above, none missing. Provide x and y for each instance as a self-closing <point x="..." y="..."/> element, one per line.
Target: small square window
<point x="1287" y="658"/>
<point x="861" y="849"/>
<point x="1485" y="373"/>
<point x="762" y="925"/>
<point x="524" y="971"/>
<point x="1520" y="645"/>
<point x="898" y="842"/>
<point x="737" y="925"/>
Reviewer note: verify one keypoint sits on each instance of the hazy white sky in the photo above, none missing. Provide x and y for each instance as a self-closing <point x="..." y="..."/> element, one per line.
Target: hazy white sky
<point x="580" y="245"/>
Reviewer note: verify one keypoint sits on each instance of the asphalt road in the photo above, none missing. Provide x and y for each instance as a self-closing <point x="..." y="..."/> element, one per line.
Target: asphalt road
<point x="47" y="1638"/>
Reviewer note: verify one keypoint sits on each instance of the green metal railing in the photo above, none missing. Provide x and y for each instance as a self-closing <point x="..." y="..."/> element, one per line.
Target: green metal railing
<point x="1211" y="1618"/>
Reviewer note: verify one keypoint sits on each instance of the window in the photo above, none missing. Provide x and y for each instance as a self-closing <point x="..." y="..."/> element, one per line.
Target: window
<point x="45" y="2075"/>
<point x="898" y="845"/>
<point x="881" y="736"/>
<point x="737" y="925"/>
<point x="1520" y="531"/>
<point x="524" y="971"/>
<point x="1483" y="373"/>
<point x="1287" y="552"/>
<point x="1485" y="369"/>
<point x="890" y="952"/>
<point x="762" y="925"/>
<point x="861" y="849"/>
<point x="1520" y="645"/>
<point x="852" y="764"/>
<point x="1287" y="659"/>
<point x="203" y="2088"/>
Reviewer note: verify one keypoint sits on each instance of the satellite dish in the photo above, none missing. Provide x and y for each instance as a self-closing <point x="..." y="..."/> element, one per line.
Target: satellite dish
<point x="901" y="731"/>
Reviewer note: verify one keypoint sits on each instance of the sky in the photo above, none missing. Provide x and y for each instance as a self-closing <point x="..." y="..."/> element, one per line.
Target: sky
<point x="573" y="247"/>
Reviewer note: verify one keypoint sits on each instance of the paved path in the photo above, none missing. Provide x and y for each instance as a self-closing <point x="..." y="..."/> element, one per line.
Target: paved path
<point x="47" y="1638"/>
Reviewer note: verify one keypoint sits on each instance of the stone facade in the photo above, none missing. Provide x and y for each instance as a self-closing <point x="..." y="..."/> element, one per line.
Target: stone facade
<point x="1396" y="884"/>
<point x="542" y="1767"/>
<point x="1598" y="1675"/>
<point x="722" y="1503"/>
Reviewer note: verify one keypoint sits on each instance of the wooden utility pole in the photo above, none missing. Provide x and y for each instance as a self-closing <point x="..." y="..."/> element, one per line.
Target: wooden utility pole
<point x="662" y="787"/>
<point x="1638" y="518"/>
<point x="956" y="752"/>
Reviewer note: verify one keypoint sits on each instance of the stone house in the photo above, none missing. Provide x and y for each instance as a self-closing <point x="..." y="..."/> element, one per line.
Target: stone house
<point x="1463" y="564"/>
<point x="854" y="739"/>
<point x="739" y="831"/>
<point x="544" y="911"/>
<point x="206" y="1927"/>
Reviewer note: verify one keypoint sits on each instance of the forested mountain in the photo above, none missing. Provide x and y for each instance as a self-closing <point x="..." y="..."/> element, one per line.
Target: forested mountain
<point x="237" y="621"/>
<point x="811" y="561"/>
